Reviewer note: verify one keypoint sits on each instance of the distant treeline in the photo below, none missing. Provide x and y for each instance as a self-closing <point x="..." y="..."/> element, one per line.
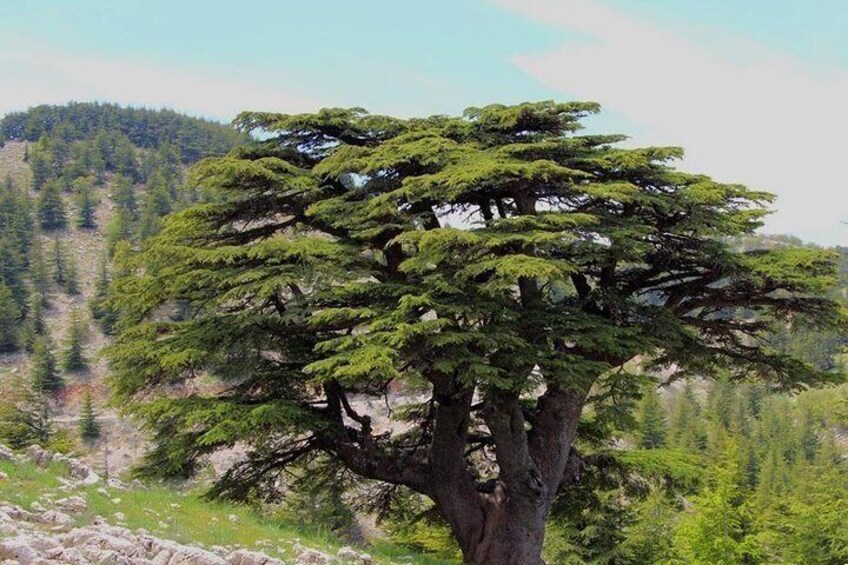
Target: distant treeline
<point x="148" y="129"/>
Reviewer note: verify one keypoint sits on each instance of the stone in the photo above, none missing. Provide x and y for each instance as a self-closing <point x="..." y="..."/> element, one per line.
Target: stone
<point x="313" y="557"/>
<point x="72" y="504"/>
<point x="245" y="557"/>
<point x="6" y="454"/>
<point x="53" y="518"/>
<point x="347" y="553"/>
<point x="38" y="455"/>
<point x="18" y="550"/>
<point x="91" y="479"/>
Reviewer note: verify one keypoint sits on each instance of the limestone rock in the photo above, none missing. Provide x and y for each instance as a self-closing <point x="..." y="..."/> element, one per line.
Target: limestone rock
<point x="245" y="557"/>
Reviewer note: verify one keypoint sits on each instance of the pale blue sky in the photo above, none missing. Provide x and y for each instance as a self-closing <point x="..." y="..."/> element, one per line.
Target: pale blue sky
<point x="753" y="89"/>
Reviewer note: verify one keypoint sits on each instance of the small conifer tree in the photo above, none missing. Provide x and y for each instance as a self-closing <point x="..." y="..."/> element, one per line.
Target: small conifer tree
<point x="71" y="284"/>
<point x="45" y="377"/>
<point x="88" y="426"/>
<point x="34" y="323"/>
<point x="74" y="356"/>
<point x="652" y="425"/>
<point x="51" y="208"/>
<point x="39" y="273"/>
<point x="101" y="310"/>
<point x="60" y="263"/>
<point x="86" y="205"/>
<point x="24" y="415"/>
<point x="10" y="315"/>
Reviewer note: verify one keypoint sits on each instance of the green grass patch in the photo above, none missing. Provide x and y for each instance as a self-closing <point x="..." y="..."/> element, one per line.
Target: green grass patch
<point x="186" y="517"/>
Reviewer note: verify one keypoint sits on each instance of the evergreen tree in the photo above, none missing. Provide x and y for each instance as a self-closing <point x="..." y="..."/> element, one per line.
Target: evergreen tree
<point x="652" y="426"/>
<point x="99" y="305"/>
<point x="12" y="269"/>
<point x="34" y="325"/>
<point x="88" y="426"/>
<point x="715" y="531"/>
<point x="150" y="222"/>
<point x="10" y="315"/>
<point x="24" y="416"/>
<point x="120" y="229"/>
<point x="86" y="205"/>
<point x="73" y="358"/>
<point x="327" y="249"/>
<point x="687" y="429"/>
<point x="44" y="374"/>
<point x="123" y="195"/>
<point x="71" y="285"/>
<point x="8" y="183"/>
<point x="39" y="274"/>
<point x="60" y="263"/>
<point x="51" y="207"/>
<point x="40" y="167"/>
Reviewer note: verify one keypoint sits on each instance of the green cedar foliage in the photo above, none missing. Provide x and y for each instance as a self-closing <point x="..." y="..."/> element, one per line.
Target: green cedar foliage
<point x="51" y="207"/>
<point x="73" y="357"/>
<point x="60" y="262"/>
<point x="40" y="167"/>
<point x="652" y="425"/>
<point x="43" y="371"/>
<point x="89" y="428"/>
<point x="327" y="265"/>
<point x="39" y="274"/>
<point x="716" y="529"/>
<point x="34" y="325"/>
<point x="10" y="315"/>
<point x="187" y="139"/>
<point x="24" y="416"/>
<point x="86" y="205"/>
<point x="99" y="305"/>
<point x="121" y="228"/>
<point x="123" y="195"/>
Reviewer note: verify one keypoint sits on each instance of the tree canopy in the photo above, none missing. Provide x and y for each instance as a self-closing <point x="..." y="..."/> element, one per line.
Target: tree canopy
<point x="499" y="263"/>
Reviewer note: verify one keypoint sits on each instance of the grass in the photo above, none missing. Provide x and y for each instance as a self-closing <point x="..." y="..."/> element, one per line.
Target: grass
<point x="186" y="517"/>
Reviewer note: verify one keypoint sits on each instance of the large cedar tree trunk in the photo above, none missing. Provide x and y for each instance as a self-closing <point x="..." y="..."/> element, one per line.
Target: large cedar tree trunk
<point x="503" y="522"/>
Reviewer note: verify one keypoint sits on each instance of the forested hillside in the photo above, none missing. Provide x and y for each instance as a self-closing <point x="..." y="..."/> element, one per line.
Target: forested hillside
<point x="665" y="467"/>
<point x="79" y="183"/>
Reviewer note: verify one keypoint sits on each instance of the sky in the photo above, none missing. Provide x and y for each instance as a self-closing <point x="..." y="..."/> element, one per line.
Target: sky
<point x="755" y="91"/>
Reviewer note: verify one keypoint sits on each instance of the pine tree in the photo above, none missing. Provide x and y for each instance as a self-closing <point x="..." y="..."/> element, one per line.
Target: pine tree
<point x="652" y="426"/>
<point x="51" y="207"/>
<point x="73" y="358"/>
<point x="88" y="426"/>
<point x="43" y="372"/>
<point x="10" y="315"/>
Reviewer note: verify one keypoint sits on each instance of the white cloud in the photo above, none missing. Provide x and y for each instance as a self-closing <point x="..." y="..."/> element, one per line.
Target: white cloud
<point x="32" y="74"/>
<point x="743" y="113"/>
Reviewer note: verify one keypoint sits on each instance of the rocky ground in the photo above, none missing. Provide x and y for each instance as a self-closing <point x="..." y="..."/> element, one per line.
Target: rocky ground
<point x="50" y="530"/>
